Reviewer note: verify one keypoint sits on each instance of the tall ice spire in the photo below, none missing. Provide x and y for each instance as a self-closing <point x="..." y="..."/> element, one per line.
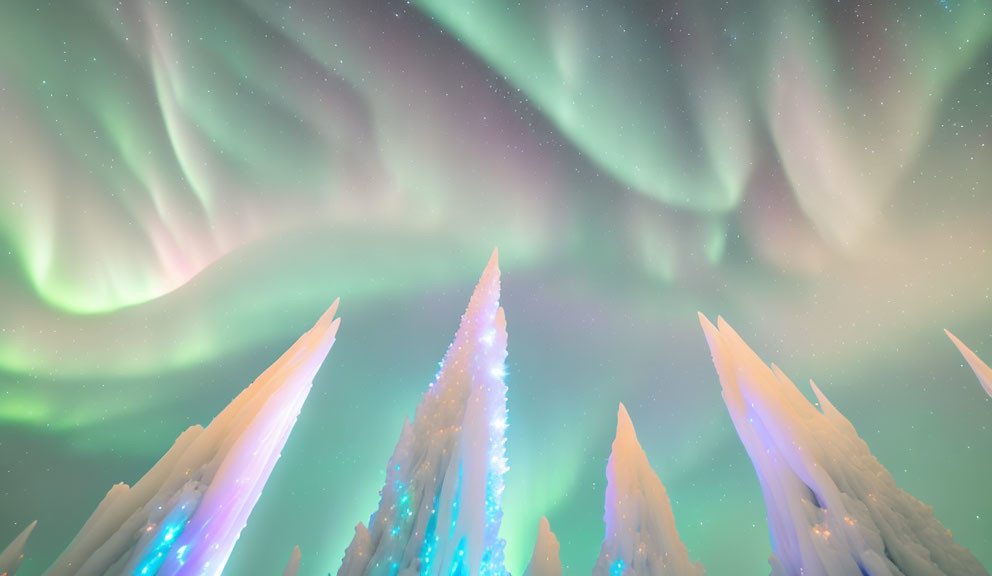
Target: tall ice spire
<point x="440" y="512"/>
<point x="981" y="369"/>
<point x="11" y="556"/>
<point x="183" y="517"/>
<point x="641" y="539"/>
<point x="293" y="566"/>
<point x="833" y="509"/>
<point x="545" y="560"/>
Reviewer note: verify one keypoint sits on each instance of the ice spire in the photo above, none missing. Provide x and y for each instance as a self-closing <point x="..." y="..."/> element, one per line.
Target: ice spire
<point x="981" y="369"/>
<point x="545" y="560"/>
<point x="439" y="513"/>
<point x="183" y="517"/>
<point x="10" y="558"/>
<point x="832" y="508"/>
<point x="293" y="566"/>
<point x="641" y="539"/>
<point x="356" y="557"/>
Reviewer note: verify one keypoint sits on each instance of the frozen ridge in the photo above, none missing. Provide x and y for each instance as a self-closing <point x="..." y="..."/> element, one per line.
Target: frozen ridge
<point x="10" y="558"/>
<point x="833" y="510"/>
<point x="641" y="538"/>
<point x="980" y="368"/>
<point x="184" y="515"/>
<point x="440" y="511"/>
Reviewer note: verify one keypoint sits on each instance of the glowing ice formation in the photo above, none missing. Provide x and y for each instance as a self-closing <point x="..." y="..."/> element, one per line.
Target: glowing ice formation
<point x="545" y="560"/>
<point x="641" y="539"/>
<point x="832" y="508"/>
<point x="185" y="515"/>
<point x="10" y="558"/>
<point x="981" y="369"/>
<point x="440" y="510"/>
<point x="293" y="566"/>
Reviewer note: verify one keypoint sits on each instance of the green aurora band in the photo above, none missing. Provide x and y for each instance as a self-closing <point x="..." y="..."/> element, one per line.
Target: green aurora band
<point x="183" y="186"/>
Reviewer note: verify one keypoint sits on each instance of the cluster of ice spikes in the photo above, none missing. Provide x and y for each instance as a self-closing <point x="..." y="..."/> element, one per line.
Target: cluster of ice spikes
<point x="833" y="510"/>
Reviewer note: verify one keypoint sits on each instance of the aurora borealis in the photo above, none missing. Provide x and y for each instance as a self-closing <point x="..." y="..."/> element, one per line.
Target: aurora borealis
<point x="185" y="186"/>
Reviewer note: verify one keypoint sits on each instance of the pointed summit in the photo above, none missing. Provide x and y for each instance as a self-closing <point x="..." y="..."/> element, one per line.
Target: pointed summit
<point x="10" y="558"/>
<point x="626" y="437"/>
<point x="440" y="511"/>
<point x="545" y="560"/>
<point x="493" y="259"/>
<point x="832" y="507"/>
<point x="184" y="515"/>
<point x="293" y="567"/>
<point x="641" y="538"/>
<point x="981" y="369"/>
<point x="356" y="557"/>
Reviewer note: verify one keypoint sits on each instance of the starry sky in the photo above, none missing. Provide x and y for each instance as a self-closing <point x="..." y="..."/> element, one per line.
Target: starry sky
<point x="185" y="186"/>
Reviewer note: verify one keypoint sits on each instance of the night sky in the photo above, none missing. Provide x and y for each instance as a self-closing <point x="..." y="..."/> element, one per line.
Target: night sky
<point x="186" y="186"/>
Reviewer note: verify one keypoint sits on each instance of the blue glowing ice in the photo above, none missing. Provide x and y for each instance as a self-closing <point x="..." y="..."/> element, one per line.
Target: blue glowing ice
<point x="184" y="516"/>
<point x="440" y="510"/>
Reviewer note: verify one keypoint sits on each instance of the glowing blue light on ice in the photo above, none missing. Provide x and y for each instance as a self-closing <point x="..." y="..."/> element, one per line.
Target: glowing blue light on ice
<point x="156" y="550"/>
